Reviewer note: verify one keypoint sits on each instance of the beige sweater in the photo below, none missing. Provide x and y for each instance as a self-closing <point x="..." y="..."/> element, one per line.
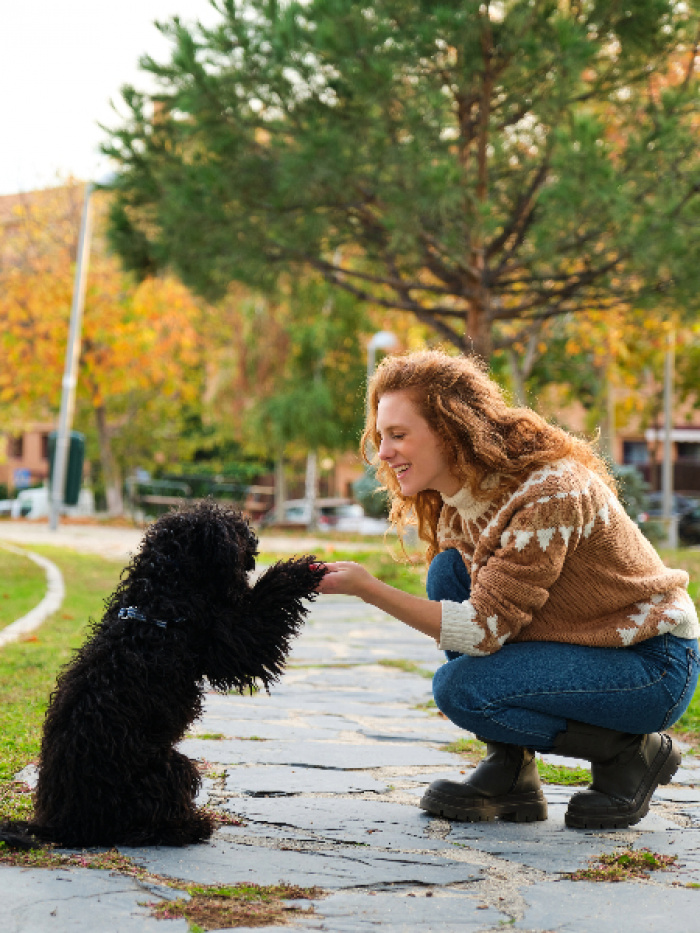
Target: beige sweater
<point x="558" y="560"/>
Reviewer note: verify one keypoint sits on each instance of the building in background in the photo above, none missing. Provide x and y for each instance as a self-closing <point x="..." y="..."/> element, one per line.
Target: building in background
<point x="24" y="457"/>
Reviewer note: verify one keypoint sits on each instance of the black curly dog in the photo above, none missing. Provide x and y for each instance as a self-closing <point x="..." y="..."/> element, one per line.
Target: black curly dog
<point x="184" y="611"/>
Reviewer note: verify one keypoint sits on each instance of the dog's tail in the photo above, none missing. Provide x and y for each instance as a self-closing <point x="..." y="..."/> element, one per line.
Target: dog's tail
<point x="18" y="834"/>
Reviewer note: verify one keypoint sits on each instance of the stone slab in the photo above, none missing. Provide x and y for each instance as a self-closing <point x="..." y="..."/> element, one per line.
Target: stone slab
<point x="224" y="861"/>
<point x="344" y="757"/>
<point x="435" y="731"/>
<point x="677" y="794"/>
<point x="249" y="730"/>
<point x="582" y="907"/>
<point x="37" y="900"/>
<point x="273" y="781"/>
<point x="348" y="912"/>
<point x="378" y="824"/>
<point x="688" y="776"/>
<point x="550" y="845"/>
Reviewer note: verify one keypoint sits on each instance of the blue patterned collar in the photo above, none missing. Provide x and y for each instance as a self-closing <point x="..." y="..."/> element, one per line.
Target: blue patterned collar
<point x="131" y="612"/>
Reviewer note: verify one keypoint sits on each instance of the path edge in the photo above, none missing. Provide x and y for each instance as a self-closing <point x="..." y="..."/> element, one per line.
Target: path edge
<point x="52" y="601"/>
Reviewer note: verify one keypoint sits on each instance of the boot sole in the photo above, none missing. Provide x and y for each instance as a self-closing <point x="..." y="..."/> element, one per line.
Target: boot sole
<point x="515" y="808"/>
<point x="589" y="819"/>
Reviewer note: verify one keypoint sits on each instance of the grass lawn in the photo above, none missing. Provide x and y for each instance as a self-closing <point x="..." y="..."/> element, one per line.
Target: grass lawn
<point x="688" y="726"/>
<point x="22" y="586"/>
<point x="28" y="668"/>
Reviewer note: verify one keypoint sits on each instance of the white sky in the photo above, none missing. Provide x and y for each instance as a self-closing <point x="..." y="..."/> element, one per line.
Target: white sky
<point x="61" y="62"/>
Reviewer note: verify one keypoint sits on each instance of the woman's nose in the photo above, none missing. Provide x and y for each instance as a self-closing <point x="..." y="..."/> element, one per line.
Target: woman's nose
<point x="385" y="450"/>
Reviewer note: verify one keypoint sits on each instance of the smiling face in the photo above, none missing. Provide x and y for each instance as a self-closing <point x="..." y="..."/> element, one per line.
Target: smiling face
<point x="411" y="448"/>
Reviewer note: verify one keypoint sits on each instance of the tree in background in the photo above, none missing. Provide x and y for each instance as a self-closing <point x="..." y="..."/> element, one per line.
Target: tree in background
<point x="291" y="383"/>
<point x="484" y="166"/>
<point x="141" y="361"/>
<point x="611" y="364"/>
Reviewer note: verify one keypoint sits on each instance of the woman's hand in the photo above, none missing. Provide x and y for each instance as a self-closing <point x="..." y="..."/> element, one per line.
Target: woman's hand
<point x="350" y="579"/>
<point x="346" y="577"/>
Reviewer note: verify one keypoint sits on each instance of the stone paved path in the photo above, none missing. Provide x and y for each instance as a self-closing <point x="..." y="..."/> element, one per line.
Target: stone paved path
<point x="326" y="774"/>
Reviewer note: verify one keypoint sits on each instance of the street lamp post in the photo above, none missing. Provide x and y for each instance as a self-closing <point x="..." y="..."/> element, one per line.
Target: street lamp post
<point x="70" y="373"/>
<point x="670" y="519"/>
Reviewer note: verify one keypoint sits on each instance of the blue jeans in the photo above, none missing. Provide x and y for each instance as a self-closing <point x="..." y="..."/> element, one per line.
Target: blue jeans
<point x="524" y="693"/>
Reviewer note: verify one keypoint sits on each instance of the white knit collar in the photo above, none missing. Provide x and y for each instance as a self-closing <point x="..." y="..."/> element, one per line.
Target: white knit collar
<point x="468" y="507"/>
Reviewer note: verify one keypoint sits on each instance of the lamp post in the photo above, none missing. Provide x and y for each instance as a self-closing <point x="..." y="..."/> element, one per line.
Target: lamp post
<point x="70" y="373"/>
<point x="670" y="519"/>
<point x="382" y="340"/>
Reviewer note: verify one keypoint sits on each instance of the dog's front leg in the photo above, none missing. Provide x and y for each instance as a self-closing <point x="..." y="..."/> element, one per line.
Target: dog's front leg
<point x="276" y="607"/>
<point x="282" y="587"/>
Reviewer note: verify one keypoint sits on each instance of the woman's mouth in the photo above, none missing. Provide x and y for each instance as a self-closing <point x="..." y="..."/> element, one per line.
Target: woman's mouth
<point x="400" y="470"/>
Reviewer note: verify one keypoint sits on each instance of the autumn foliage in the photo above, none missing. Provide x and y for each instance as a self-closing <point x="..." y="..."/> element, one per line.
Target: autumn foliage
<point x="141" y="350"/>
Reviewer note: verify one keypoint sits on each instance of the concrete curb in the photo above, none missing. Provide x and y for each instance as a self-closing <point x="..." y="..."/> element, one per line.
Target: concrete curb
<point x="55" y="594"/>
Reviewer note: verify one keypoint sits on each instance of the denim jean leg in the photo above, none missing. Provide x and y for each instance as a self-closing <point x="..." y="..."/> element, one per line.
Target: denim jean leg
<point x="448" y="578"/>
<point x="524" y="693"/>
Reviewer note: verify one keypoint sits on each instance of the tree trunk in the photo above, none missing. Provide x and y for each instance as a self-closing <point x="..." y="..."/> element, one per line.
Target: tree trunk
<point x="478" y="338"/>
<point x="610" y="426"/>
<point x="520" y="369"/>
<point x="110" y="471"/>
<point x="311" y="488"/>
<point x="280" y="490"/>
<point x="517" y="377"/>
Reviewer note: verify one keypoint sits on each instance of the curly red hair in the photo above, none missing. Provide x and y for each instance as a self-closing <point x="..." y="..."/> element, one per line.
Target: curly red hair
<point x="487" y="442"/>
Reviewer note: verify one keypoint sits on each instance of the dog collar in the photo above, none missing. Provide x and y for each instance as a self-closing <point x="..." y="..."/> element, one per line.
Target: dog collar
<point x="131" y="612"/>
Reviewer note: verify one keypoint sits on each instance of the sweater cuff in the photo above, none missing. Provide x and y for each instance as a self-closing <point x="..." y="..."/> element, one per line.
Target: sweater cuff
<point x="459" y="630"/>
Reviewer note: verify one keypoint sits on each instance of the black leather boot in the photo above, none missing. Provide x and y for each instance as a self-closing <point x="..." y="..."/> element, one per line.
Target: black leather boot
<point x="506" y="784"/>
<point x="626" y="770"/>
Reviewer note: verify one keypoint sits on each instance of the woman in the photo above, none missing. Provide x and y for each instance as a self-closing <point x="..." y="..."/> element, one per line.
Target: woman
<point x="564" y="631"/>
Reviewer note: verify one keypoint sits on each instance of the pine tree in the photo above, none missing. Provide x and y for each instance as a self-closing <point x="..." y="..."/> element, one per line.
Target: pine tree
<point x="481" y="165"/>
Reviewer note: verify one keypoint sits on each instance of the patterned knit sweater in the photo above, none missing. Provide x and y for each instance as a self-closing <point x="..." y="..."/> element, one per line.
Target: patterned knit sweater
<point x="558" y="560"/>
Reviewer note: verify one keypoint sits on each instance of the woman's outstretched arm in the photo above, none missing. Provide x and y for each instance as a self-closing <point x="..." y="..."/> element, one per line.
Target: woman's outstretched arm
<point x="351" y="579"/>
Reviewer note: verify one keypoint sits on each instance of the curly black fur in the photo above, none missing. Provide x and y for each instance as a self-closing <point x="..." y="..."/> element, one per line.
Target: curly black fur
<point x="109" y="772"/>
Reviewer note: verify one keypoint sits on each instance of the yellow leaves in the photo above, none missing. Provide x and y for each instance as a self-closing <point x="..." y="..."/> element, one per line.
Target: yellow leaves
<point x="135" y="338"/>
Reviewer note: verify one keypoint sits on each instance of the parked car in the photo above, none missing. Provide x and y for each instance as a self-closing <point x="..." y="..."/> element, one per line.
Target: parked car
<point x="655" y="505"/>
<point x="34" y="503"/>
<point x="31" y="503"/>
<point x="333" y="514"/>
<point x="353" y="518"/>
<point x="686" y="511"/>
<point x="689" y="527"/>
<point x="11" y="508"/>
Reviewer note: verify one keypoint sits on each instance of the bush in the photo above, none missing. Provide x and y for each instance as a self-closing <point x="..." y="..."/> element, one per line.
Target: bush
<point x="368" y="492"/>
<point x="633" y="490"/>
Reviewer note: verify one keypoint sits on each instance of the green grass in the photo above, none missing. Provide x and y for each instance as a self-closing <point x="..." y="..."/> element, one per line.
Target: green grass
<point x="410" y="667"/>
<point x="212" y="907"/>
<point x="688" y="726"/>
<point x="624" y="865"/>
<point x="22" y="586"/>
<point x="685" y="559"/>
<point x="28" y="669"/>
<point x="471" y="749"/>
<point x="561" y="774"/>
<point x="474" y="750"/>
